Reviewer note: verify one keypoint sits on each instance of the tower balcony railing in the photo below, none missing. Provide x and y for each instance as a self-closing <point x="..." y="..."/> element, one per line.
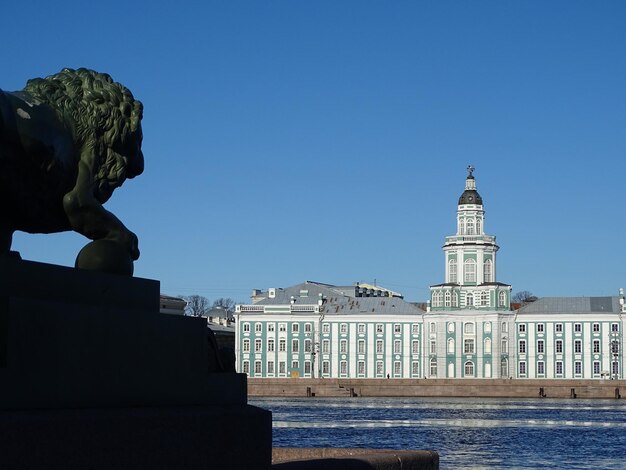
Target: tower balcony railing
<point x="471" y="238"/>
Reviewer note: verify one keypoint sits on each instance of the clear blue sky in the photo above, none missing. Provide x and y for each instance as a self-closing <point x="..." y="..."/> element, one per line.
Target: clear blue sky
<point x="290" y="140"/>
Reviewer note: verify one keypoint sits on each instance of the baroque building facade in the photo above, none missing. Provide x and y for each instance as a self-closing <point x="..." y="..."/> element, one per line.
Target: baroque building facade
<point x="466" y="330"/>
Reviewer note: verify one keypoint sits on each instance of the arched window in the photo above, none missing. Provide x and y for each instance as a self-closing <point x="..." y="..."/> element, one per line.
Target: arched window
<point x="447" y="298"/>
<point x="469" y="300"/>
<point x="470" y="270"/>
<point x="461" y="227"/>
<point x="455" y="299"/>
<point x="478" y="226"/>
<point x="487" y="271"/>
<point x="502" y="299"/>
<point x="487" y="346"/>
<point x="469" y="369"/>
<point x="451" y="345"/>
<point x="452" y="271"/>
<point x="470" y="226"/>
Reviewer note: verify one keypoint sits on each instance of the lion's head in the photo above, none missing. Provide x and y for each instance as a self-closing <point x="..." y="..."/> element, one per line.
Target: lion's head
<point x="104" y="116"/>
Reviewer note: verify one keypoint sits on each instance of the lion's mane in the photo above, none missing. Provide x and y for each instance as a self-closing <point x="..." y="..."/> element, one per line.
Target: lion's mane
<point x="102" y="113"/>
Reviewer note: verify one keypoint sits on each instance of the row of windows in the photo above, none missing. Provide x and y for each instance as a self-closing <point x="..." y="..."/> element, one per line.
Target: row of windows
<point x="325" y="368"/>
<point x="469" y="270"/>
<point x="578" y="346"/>
<point x="451" y="299"/>
<point x="308" y="327"/>
<point x="470" y="226"/>
<point x="558" y="368"/>
<point x="558" y="327"/>
<point x="326" y="349"/>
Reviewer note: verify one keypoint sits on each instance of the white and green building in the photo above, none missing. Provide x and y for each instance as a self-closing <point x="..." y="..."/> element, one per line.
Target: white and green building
<point x="466" y="330"/>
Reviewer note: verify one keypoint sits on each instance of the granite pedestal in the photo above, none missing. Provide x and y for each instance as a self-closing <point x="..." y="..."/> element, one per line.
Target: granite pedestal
<point x="93" y="376"/>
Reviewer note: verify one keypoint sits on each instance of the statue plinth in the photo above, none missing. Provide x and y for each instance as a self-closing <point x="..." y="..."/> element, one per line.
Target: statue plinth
<point x="92" y="350"/>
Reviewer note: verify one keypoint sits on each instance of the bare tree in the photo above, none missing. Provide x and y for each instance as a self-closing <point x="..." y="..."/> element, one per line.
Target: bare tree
<point x="197" y="305"/>
<point x="523" y="297"/>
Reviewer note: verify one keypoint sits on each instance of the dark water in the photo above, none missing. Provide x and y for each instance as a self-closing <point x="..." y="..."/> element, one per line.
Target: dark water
<point x="467" y="433"/>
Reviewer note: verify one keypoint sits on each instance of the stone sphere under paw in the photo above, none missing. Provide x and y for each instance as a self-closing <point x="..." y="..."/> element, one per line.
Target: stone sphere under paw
<point x="106" y="256"/>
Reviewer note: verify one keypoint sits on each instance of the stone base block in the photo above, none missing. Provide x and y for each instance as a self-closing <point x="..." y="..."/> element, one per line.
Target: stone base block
<point x="167" y="438"/>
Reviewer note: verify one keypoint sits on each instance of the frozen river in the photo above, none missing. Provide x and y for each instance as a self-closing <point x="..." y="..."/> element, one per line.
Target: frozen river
<point x="467" y="433"/>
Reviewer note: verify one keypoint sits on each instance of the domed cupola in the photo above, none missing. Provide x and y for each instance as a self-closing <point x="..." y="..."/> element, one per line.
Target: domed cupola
<point x="470" y="195"/>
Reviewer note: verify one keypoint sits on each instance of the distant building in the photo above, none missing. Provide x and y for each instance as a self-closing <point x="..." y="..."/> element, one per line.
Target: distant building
<point x="467" y="329"/>
<point x="172" y="305"/>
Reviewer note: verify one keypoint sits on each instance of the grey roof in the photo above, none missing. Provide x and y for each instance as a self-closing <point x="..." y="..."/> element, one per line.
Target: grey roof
<point x="339" y="300"/>
<point x="572" y="305"/>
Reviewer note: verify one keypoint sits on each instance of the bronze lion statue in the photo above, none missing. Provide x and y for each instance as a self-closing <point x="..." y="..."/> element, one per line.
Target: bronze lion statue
<point x="66" y="142"/>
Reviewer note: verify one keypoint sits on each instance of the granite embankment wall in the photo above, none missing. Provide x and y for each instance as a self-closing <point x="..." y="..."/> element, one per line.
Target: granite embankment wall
<point x="513" y="388"/>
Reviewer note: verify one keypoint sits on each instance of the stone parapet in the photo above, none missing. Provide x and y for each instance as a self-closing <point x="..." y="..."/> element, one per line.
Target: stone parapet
<point x="348" y="459"/>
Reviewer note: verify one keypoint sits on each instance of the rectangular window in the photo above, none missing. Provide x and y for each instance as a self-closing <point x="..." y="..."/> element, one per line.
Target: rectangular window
<point x="380" y="369"/>
<point x="615" y="368"/>
<point x="522" y="347"/>
<point x="307" y="367"/>
<point x="596" y="327"/>
<point x="521" y="328"/>
<point x="578" y="368"/>
<point x="343" y="346"/>
<point x="397" y="346"/>
<point x="559" y="346"/>
<point x="468" y="346"/>
<point x="257" y="368"/>
<point x="282" y="327"/>
<point x="433" y="347"/>
<point x="522" y="368"/>
<point x="361" y="368"/>
<point x="325" y="346"/>
<point x="558" y="327"/>
<point x="578" y="346"/>
<point x="578" y="327"/>
<point x="505" y="346"/>
<point x="415" y="328"/>
<point x="295" y="365"/>
<point x="433" y="367"/>
<point x="539" y="327"/>
<point x="596" y="368"/>
<point x="295" y="327"/>
<point x="379" y="327"/>
<point x="540" y="346"/>
<point x="361" y="328"/>
<point x="433" y="328"/>
<point x="540" y="368"/>
<point x="307" y="345"/>
<point x="295" y="346"/>
<point x="246" y="345"/>
<point x="379" y="346"/>
<point x="326" y="368"/>
<point x="246" y="367"/>
<point x="343" y="328"/>
<point x="415" y="347"/>
<point x="326" y="328"/>
<point x="397" y="369"/>
<point x="596" y="346"/>
<point x="270" y="367"/>
<point x="307" y="327"/>
<point x="397" y="329"/>
<point x="559" y="368"/>
<point x="343" y="368"/>
<point x="258" y="327"/>
<point x="505" y="327"/>
<point x="246" y="327"/>
<point x="257" y="345"/>
<point x="270" y="327"/>
<point x="282" y="367"/>
<point x="282" y="345"/>
<point x="361" y="346"/>
<point x="614" y="327"/>
<point x="415" y="369"/>
<point x="270" y="345"/>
